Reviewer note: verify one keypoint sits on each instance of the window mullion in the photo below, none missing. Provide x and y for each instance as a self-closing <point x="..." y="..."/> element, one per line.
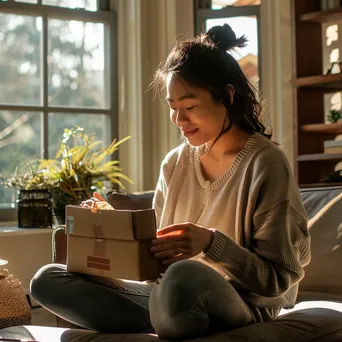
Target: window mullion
<point x="45" y="89"/>
<point x="112" y="79"/>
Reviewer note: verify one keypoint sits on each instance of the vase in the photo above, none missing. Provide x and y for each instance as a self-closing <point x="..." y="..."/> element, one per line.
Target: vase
<point x="35" y="209"/>
<point x="61" y="200"/>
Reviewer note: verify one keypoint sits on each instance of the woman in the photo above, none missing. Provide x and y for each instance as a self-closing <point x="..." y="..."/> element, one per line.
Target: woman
<point x="233" y="227"/>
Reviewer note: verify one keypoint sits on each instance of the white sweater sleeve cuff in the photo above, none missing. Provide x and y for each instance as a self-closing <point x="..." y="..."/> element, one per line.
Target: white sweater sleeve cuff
<point x="216" y="248"/>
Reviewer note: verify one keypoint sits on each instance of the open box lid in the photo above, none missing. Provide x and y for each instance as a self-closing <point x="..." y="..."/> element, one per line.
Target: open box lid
<point x="111" y="224"/>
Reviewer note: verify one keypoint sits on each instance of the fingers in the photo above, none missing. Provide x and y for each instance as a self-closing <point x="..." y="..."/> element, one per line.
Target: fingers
<point x="170" y="246"/>
<point x="169" y="251"/>
<point x="97" y="196"/>
<point x="169" y="238"/>
<point x="90" y="203"/>
<point x="174" y="229"/>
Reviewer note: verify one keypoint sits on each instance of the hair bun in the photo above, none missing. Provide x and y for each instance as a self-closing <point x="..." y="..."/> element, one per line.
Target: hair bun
<point x="225" y="38"/>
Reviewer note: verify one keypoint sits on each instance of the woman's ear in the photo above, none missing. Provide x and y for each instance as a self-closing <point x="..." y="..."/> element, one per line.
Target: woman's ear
<point x="231" y="92"/>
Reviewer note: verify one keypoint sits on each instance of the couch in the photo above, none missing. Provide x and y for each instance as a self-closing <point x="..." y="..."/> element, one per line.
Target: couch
<point x="317" y="317"/>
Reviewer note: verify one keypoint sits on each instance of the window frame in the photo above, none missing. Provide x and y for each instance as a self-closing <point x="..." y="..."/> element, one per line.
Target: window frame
<point x="202" y="14"/>
<point x="105" y="15"/>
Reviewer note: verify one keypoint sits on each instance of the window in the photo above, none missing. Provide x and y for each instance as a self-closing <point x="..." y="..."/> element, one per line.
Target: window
<point x="244" y="18"/>
<point x="57" y="69"/>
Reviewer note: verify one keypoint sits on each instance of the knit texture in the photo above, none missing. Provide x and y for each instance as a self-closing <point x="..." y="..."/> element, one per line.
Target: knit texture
<point x="261" y="241"/>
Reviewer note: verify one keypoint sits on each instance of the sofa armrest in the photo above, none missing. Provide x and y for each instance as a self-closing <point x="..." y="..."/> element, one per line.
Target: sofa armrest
<point x="59" y="245"/>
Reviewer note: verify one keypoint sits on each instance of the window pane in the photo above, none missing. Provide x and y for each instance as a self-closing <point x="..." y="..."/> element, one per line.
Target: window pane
<point x="20" y="59"/>
<point x="219" y="4"/>
<point x="98" y="124"/>
<point x="248" y="56"/>
<point x="28" y="1"/>
<point x="19" y="142"/>
<point x="90" y="5"/>
<point x="76" y="64"/>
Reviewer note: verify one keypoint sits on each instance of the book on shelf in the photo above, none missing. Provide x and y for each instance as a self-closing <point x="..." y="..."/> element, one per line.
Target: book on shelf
<point x="332" y="146"/>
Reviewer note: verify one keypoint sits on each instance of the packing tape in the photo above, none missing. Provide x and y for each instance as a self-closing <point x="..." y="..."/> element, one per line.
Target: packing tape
<point x="99" y="259"/>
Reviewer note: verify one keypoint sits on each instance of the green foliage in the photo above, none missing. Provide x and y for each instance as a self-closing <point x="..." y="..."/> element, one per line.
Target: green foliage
<point x="333" y="177"/>
<point x="30" y="176"/>
<point x="79" y="167"/>
<point x="335" y="116"/>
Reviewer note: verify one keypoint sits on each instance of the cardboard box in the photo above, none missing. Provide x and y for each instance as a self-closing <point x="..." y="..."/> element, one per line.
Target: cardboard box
<point x="112" y="243"/>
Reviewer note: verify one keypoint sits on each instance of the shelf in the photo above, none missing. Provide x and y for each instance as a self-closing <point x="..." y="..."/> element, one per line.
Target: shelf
<point x="332" y="82"/>
<point x="321" y="17"/>
<point x="333" y="128"/>
<point x="320" y="157"/>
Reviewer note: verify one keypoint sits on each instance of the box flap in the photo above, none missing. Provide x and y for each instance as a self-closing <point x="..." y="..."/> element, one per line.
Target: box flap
<point x="111" y="224"/>
<point x="144" y="224"/>
<point x="108" y="224"/>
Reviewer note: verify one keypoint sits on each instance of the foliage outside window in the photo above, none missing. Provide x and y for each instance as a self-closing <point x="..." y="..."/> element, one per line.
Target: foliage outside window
<point x="57" y="71"/>
<point x="244" y="18"/>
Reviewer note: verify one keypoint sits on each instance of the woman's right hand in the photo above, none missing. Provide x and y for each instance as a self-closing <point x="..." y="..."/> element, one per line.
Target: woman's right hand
<point x="92" y="202"/>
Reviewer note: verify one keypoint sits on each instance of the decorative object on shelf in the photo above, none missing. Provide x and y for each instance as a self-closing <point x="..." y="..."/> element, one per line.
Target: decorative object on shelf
<point x="333" y="146"/>
<point x="335" y="68"/>
<point x="335" y="116"/>
<point x="333" y="177"/>
<point x="14" y="307"/>
<point x="329" y="4"/>
<point x="81" y="167"/>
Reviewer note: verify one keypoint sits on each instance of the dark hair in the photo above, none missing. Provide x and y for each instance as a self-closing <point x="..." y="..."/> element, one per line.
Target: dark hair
<point x="203" y="62"/>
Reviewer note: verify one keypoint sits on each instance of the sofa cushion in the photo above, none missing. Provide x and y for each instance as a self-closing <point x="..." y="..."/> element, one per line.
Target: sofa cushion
<point x="315" y="199"/>
<point x="322" y="279"/>
<point x="312" y="325"/>
<point x="131" y="201"/>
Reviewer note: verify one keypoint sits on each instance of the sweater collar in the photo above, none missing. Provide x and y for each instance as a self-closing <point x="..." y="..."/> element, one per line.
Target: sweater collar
<point x="222" y="180"/>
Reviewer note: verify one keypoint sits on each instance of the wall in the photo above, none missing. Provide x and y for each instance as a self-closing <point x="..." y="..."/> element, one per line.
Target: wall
<point x="26" y="251"/>
<point x="277" y="70"/>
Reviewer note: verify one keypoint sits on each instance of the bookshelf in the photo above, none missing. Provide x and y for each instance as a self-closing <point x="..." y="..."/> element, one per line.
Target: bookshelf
<point x="309" y="86"/>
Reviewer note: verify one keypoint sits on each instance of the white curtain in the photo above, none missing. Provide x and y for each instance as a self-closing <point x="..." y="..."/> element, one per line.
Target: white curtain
<point x="147" y="30"/>
<point x="277" y="70"/>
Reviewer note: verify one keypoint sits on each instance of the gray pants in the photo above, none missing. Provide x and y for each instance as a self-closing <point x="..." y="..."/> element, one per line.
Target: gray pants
<point x="189" y="300"/>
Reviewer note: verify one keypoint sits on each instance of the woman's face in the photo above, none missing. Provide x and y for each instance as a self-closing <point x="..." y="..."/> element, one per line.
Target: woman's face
<point x="194" y="111"/>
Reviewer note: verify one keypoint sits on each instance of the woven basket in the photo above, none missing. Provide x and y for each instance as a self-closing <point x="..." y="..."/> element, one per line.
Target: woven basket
<point x="14" y="307"/>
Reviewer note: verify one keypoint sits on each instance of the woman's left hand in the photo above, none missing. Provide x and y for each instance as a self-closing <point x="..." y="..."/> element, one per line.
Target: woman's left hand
<point x="181" y="241"/>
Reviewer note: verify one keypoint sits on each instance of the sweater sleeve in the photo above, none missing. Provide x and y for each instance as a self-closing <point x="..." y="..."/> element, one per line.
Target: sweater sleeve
<point x="159" y="198"/>
<point x="167" y="168"/>
<point x="280" y="241"/>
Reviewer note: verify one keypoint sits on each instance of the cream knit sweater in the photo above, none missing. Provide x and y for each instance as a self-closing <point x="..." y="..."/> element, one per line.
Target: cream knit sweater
<point x="261" y="241"/>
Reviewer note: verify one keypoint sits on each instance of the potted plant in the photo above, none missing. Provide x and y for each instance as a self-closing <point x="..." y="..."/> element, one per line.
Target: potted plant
<point x="34" y="203"/>
<point x="81" y="166"/>
<point x="335" y="116"/>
